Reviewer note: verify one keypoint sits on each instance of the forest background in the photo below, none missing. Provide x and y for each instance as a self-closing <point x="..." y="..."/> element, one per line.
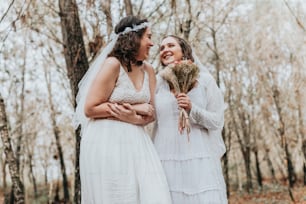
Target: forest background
<point x="255" y="49"/>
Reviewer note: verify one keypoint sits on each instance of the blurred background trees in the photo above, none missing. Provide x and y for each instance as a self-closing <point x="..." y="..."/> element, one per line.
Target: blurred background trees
<point x="255" y="49"/>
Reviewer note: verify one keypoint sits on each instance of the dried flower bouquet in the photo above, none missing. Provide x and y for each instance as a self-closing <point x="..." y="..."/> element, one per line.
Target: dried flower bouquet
<point x="181" y="77"/>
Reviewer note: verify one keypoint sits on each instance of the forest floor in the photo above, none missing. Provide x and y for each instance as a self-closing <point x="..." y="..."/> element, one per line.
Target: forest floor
<point x="270" y="196"/>
<point x="275" y="195"/>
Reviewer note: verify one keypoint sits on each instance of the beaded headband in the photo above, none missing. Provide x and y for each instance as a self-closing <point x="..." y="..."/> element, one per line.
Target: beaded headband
<point x="134" y="28"/>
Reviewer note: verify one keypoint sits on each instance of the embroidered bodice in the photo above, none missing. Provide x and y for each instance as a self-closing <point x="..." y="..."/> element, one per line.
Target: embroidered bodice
<point x="125" y="91"/>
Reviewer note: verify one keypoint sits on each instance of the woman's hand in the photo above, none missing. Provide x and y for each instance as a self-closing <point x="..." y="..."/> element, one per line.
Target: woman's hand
<point x="184" y="101"/>
<point x="126" y="113"/>
<point x="144" y="109"/>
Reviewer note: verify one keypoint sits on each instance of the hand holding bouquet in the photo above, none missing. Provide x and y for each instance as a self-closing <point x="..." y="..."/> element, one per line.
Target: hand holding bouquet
<point x="181" y="77"/>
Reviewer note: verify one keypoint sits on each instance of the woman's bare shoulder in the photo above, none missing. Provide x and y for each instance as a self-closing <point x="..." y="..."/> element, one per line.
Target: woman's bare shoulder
<point x="149" y="68"/>
<point x="112" y="62"/>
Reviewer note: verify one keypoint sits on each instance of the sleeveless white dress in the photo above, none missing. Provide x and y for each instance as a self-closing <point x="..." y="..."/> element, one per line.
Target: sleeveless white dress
<point x="118" y="161"/>
<point x="193" y="169"/>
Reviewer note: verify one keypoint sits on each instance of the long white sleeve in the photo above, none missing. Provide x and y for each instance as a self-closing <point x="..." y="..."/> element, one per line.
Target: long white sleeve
<point x="210" y="117"/>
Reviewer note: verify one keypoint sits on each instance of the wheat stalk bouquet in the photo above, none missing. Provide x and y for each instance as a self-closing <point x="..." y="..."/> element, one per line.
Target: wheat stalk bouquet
<point x="181" y="77"/>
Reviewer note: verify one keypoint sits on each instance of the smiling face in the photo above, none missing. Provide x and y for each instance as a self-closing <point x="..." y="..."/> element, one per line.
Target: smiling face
<point x="145" y="45"/>
<point x="170" y="51"/>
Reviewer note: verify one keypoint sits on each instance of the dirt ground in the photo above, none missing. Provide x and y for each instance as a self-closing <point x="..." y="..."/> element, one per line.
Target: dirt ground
<point x="275" y="196"/>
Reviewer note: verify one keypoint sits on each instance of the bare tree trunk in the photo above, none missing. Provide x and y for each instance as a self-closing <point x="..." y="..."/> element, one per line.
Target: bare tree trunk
<point x="270" y="165"/>
<point x="258" y="171"/>
<point x="214" y="48"/>
<point x="3" y="172"/>
<point x="77" y="65"/>
<point x="32" y="177"/>
<point x="218" y="70"/>
<point x="281" y="130"/>
<point x="301" y="131"/>
<point x="128" y="7"/>
<point x="12" y="162"/>
<point x="246" y="153"/>
<point x="21" y="115"/>
<point x="247" y="164"/>
<point x="238" y="175"/>
<point x="106" y="7"/>
<point x="244" y="144"/>
<point x="290" y="167"/>
<point x="74" y="48"/>
<point x="186" y="26"/>
<point x="291" y="176"/>
<point x="226" y="160"/>
<point x="304" y="152"/>
<point x="56" y="132"/>
<point x="297" y="20"/>
<point x="255" y="150"/>
<point x="7" y="10"/>
<point x="216" y="54"/>
<point x="31" y="170"/>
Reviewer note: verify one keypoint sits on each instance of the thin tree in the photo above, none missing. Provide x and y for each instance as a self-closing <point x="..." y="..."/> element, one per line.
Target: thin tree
<point x="186" y="25"/>
<point x="56" y="132"/>
<point x="128" y="7"/>
<point x="77" y="65"/>
<point x="106" y="7"/>
<point x="18" y="187"/>
<point x="214" y="28"/>
<point x="7" y="10"/>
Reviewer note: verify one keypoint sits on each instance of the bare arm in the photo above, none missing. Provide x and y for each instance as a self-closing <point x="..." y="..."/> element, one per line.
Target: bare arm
<point x="144" y="109"/>
<point x="152" y="82"/>
<point x="127" y="113"/>
<point x="96" y="105"/>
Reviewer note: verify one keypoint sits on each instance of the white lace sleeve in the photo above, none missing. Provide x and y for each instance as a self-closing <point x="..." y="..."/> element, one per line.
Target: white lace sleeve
<point x="210" y="117"/>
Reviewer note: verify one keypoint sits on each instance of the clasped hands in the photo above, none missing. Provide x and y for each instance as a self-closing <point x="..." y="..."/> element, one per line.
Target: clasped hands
<point x="140" y="114"/>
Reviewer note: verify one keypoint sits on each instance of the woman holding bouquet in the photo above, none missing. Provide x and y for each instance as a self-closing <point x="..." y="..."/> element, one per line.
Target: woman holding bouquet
<point x="190" y="157"/>
<point x="118" y="161"/>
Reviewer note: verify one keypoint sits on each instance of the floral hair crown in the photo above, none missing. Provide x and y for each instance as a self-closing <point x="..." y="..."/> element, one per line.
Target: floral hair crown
<point x="134" y="28"/>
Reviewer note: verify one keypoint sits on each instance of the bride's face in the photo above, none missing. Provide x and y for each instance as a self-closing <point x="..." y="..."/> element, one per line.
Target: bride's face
<point x="170" y="51"/>
<point x="145" y="45"/>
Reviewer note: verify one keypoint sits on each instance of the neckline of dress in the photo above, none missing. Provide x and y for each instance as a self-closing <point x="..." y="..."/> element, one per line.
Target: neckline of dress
<point x="131" y="81"/>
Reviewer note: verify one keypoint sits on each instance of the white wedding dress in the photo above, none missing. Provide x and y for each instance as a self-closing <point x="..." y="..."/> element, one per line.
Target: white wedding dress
<point x="118" y="161"/>
<point x="193" y="169"/>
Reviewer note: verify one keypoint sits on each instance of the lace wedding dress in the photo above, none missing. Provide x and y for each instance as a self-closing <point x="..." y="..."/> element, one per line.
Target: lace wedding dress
<point x="118" y="161"/>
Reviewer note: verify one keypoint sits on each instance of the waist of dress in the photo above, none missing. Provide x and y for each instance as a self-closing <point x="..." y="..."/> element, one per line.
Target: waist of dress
<point x="163" y="122"/>
<point x="113" y="122"/>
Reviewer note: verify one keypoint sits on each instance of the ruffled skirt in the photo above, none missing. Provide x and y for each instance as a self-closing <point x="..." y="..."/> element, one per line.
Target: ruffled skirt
<point x="193" y="170"/>
<point x="195" y="181"/>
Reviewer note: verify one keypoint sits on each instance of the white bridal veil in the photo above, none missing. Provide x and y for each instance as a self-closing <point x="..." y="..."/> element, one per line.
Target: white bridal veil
<point x="85" y="83"/>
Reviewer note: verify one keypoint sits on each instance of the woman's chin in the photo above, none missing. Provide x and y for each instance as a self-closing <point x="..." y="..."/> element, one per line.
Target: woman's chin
<point x="167" y="62"/>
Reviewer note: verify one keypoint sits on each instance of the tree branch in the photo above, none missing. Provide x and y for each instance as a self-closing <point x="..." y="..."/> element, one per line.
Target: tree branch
<point x="6" y="12"/>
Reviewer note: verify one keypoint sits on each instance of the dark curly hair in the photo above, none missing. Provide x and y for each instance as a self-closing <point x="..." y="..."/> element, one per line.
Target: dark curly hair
<point x="127" y="45"/>
<point x="185" y="47"/>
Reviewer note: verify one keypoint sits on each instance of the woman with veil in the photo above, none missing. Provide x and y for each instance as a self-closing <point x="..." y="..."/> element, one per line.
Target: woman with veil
<point x="118" y="161"/>
<point x="192" y="166"/>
